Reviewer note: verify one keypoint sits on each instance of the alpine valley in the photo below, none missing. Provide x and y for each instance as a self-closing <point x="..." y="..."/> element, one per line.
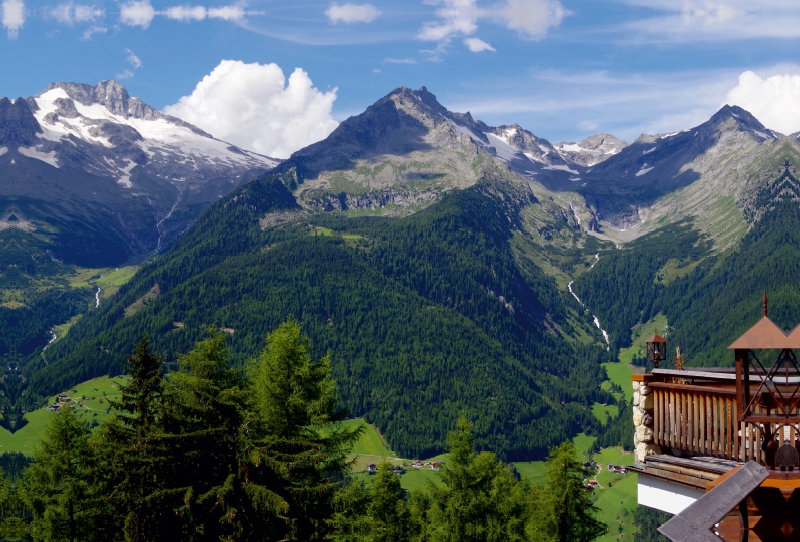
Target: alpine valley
<point x="445" y="264"/>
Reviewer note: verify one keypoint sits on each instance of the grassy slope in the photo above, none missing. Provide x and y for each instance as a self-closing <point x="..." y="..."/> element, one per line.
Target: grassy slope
<point x="91" y="406"/>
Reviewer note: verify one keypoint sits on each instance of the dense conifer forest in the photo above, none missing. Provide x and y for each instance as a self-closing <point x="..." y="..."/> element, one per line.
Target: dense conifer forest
<point x="719" y="295"/>
<point x="401" y="304"/>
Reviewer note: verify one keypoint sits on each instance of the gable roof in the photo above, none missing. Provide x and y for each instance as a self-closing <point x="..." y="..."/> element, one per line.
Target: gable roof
<point x="765" y="334"/>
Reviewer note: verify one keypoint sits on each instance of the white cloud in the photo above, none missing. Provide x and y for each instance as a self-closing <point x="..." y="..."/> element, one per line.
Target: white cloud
<point x="529" y="18"/>
<point x="476" y="45"/>
<point x="376" y="70"/>
<point x="92" y="30"/>
<point x="141" y="13"/>
<point x="587" y="126"/>
<point x="132" y="59"/>
<point x="457" y="17"/>
<point x="185" y="13"/>
<point x="13" y="16"/>
<point x="126" y="74"/>
<point x="235" y="14"/>
<point x="775" y="101"/>
<point x="70" y="13"/>
<point x="252" y="106"/>
<point x="399" y="60"/>
<point x="137" y="13"/>
<point x="706" y="20"/>
<point x="532" y="18"/>
<point x="352" y="13"/>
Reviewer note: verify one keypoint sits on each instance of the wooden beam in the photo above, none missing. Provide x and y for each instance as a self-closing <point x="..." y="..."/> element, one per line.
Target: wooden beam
<point x="694" y="524"/>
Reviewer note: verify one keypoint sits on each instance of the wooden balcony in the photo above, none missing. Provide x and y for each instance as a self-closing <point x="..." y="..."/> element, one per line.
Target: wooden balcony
<point x="696" y="412"/>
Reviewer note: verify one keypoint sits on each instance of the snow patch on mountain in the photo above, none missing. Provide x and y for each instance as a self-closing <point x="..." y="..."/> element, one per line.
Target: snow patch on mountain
<point x="644" y="170"/>
<point x="32" y="152"/>
<point x="562" y="168"/>
<point x="169" y="147"/>
<point x="504" y="151"/>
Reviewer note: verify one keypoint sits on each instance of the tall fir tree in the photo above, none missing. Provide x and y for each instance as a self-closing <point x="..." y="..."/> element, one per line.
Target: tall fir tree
<point x="568" y="513"/>
<point x="478" y="500"/>
<point x="294" y="445"/>
<point x="131" y="470"/>
<point x="56" y="487"/>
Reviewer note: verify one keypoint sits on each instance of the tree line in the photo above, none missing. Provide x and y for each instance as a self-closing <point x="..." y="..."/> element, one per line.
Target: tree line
<point x="211" y="451"/>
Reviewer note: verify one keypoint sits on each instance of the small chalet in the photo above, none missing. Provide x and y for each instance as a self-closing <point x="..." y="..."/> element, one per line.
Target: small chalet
<point x="372" y="468"/>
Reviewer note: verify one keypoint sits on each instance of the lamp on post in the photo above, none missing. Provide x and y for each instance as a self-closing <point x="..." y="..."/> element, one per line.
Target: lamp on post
<point x="656" y="349"/>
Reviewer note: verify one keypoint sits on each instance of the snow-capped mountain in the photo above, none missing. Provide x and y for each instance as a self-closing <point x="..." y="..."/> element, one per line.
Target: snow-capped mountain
<point x="592" y="150"/>
<point x="105" y="176"/>
<point x="103" y="130"/>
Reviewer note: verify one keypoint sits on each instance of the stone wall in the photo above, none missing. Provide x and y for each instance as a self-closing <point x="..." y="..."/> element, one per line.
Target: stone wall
<point x="643" y="422"/>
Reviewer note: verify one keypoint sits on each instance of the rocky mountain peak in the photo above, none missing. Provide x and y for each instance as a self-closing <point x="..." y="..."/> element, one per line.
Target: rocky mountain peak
<point x="114" y="96"/>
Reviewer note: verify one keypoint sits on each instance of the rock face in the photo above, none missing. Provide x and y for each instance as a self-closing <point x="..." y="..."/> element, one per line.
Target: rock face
<point x="105" y="176"/>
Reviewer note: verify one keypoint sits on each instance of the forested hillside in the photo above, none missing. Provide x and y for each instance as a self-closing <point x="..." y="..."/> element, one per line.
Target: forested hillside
<point x="709" y="299"/>
<point x="426" y="315"/>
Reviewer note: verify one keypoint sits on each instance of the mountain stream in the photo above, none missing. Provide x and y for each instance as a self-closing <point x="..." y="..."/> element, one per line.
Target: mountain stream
<point x="596" y="320"/>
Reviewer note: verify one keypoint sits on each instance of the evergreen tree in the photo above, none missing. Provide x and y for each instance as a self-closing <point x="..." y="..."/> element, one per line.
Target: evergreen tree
<point x="293" y="444"/>
<point x="477" y="501"/>
<point x="566" y="507"/>
<point x="129" y="470"/>
<point x="387" y="514"/>
<point x="202" y="422"/>
<point x="348" y="522"/>
<point x="56" y="486"/>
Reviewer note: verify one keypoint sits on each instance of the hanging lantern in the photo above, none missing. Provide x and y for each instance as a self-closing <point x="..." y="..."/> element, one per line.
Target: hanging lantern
<point x="656" y="349"/>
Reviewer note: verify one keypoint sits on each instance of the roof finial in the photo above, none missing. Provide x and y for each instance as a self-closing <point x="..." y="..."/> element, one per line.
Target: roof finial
<point x="765" y="303"/>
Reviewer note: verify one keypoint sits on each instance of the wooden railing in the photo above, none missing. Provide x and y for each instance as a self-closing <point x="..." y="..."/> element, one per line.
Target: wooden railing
<point x="702" y="419"/>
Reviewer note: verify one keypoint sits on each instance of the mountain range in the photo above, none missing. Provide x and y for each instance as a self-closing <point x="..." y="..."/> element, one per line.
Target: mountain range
<point x="446" y="264"/>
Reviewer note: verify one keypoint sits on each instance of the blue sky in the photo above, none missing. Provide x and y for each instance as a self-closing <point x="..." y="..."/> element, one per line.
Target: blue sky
<point x="562" y="69"/>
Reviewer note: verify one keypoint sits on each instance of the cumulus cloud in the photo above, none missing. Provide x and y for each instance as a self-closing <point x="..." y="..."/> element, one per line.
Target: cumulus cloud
<point x="70" y="13"/>
<point x="253" y="107"/>
<point x="531" y="19"/>
<point x="476" y="45"/>
<point x="137" y="13"/>
<point x="13" y="17"/>
<point x="352" y="13"/>
<point x="775" y="101"/>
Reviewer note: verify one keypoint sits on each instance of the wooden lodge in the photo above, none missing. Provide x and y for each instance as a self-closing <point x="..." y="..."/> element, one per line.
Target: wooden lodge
<point x="720" y="447"/>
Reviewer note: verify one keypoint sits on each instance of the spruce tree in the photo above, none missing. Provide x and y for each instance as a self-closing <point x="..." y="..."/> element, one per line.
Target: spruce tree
<point x="130" y="470"/>
<point x="56" y="486"/>
<point x="567" y="511"/>
<point x="479" y="500"/>
<point x="202" y="423"/>
<point x="387" y="514"/>
<point x="294" y="445"/>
